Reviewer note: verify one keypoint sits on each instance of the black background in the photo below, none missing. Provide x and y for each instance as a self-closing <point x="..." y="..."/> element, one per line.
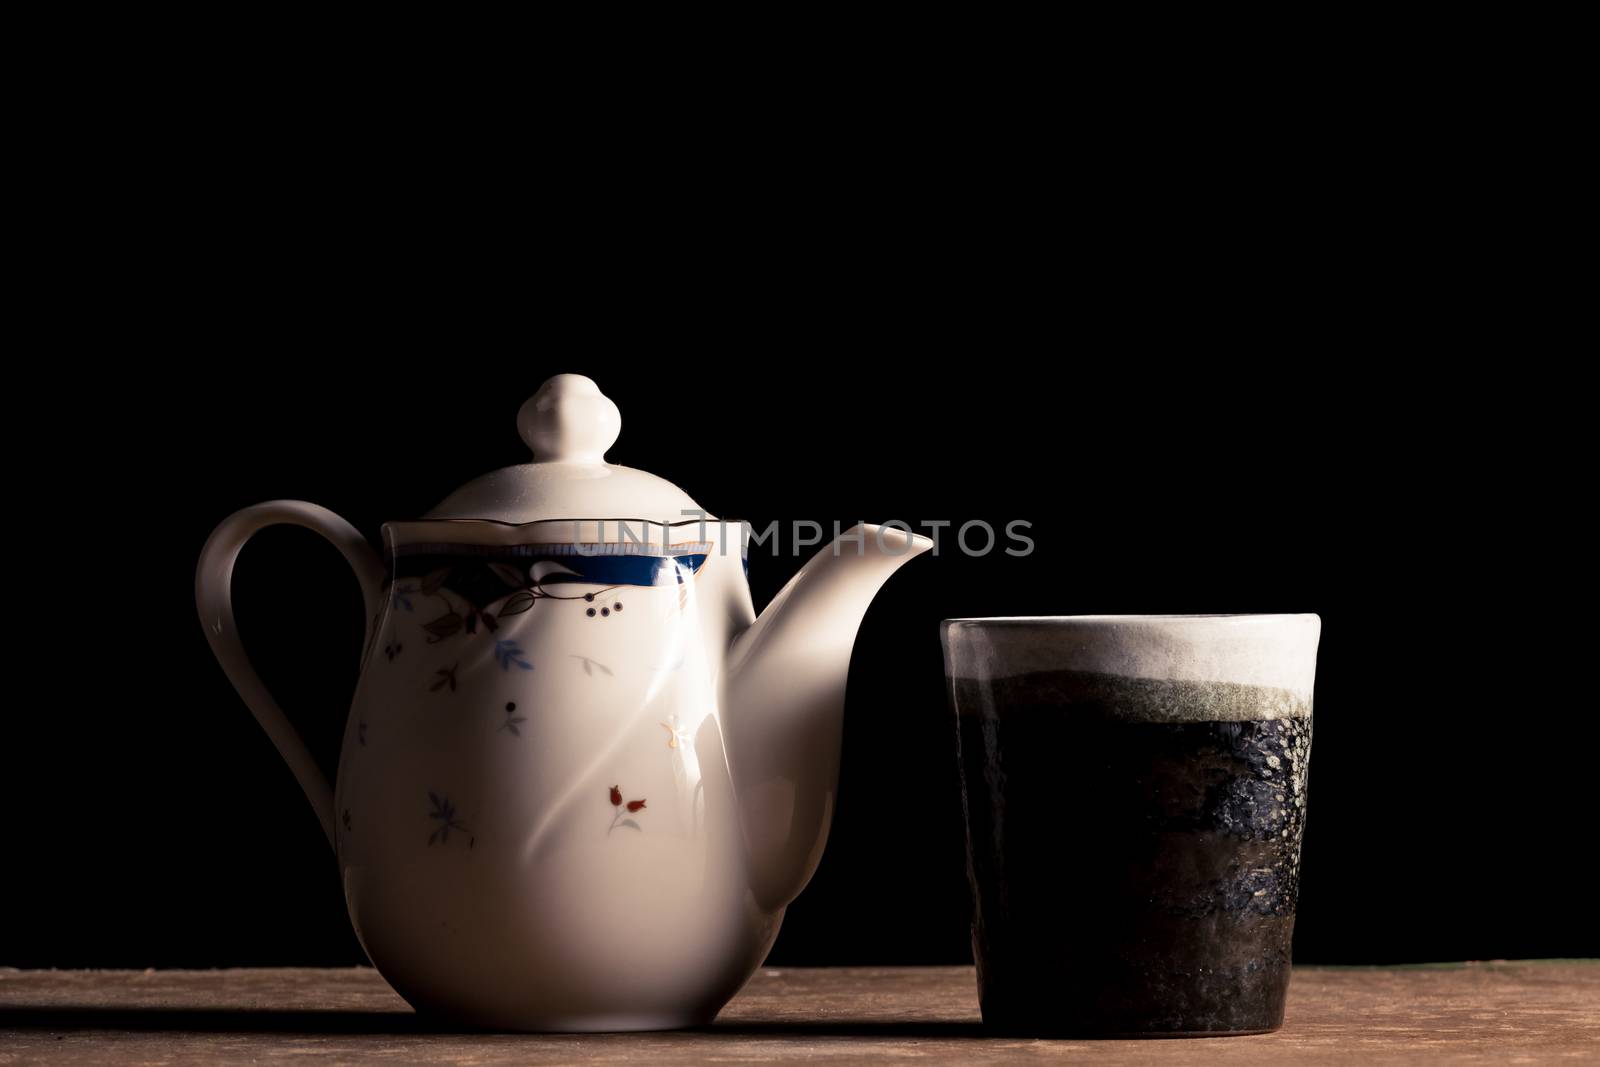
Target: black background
<point x="153" y="824"/>
<point x="1225" y="356"/>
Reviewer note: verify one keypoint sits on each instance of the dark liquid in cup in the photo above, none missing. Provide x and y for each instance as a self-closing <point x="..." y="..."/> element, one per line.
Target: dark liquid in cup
<point x="1133" y="848"/>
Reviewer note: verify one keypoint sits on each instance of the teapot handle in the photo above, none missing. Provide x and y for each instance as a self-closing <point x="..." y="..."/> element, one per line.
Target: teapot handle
<point x="213" y="594"/>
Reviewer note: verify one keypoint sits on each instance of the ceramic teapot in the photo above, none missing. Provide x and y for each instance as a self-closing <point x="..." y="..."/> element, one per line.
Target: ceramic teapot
<point x="581" y="779"/>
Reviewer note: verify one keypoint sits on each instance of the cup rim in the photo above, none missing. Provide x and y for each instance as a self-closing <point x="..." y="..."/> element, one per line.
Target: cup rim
<point x="1003" y="620"/>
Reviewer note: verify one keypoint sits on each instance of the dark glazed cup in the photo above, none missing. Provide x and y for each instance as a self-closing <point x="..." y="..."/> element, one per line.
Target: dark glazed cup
<point x="1135" y="796"/>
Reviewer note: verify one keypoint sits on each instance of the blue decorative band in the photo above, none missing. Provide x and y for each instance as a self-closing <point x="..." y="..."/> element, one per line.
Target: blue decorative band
<point x="484" y="574"/>
<point x="627" y="570"/>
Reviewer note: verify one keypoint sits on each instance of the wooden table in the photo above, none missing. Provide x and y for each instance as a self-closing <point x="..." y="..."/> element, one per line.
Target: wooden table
<point x="1502" y="1013"/>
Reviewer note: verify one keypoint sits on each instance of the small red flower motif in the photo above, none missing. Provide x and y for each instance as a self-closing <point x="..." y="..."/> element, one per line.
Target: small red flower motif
<point x="620" y="812"/>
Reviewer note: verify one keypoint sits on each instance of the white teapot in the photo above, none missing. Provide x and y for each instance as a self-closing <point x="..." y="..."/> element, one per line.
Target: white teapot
<point x="581" y="780"/>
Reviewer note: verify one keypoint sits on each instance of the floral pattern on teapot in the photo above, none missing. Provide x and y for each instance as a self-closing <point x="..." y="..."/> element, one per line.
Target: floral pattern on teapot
<point x="444" y="599"/>
<point x="475" y="588"/>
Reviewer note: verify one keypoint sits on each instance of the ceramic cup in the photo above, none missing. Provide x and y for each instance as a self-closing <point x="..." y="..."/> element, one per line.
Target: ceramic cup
<point x="1135" y="794"/>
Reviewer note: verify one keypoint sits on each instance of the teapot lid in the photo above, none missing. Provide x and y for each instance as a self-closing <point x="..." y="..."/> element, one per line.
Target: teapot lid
<point x="570" y="425"/>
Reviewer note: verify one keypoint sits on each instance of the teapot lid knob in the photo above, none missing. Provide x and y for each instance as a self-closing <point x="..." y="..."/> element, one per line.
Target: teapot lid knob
<point x="569" y="420"/>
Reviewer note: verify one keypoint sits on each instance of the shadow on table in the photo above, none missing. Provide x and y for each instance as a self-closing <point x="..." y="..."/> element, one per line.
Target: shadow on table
<point x="220" y="1020"/>
<point x="57" y="1019"/>
<point x="887" y="1028"/>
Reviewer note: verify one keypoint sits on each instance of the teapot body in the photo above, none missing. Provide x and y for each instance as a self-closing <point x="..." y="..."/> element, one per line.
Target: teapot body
<point x="580" y="780"/>
<point x="534" y="817"/>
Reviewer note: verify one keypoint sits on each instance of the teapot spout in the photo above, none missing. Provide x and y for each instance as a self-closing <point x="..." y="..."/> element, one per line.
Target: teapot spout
<point x="784" y="703"/>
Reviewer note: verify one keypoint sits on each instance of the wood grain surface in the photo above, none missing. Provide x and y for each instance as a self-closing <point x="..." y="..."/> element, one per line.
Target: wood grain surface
<point x="1500" y="1013"/>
